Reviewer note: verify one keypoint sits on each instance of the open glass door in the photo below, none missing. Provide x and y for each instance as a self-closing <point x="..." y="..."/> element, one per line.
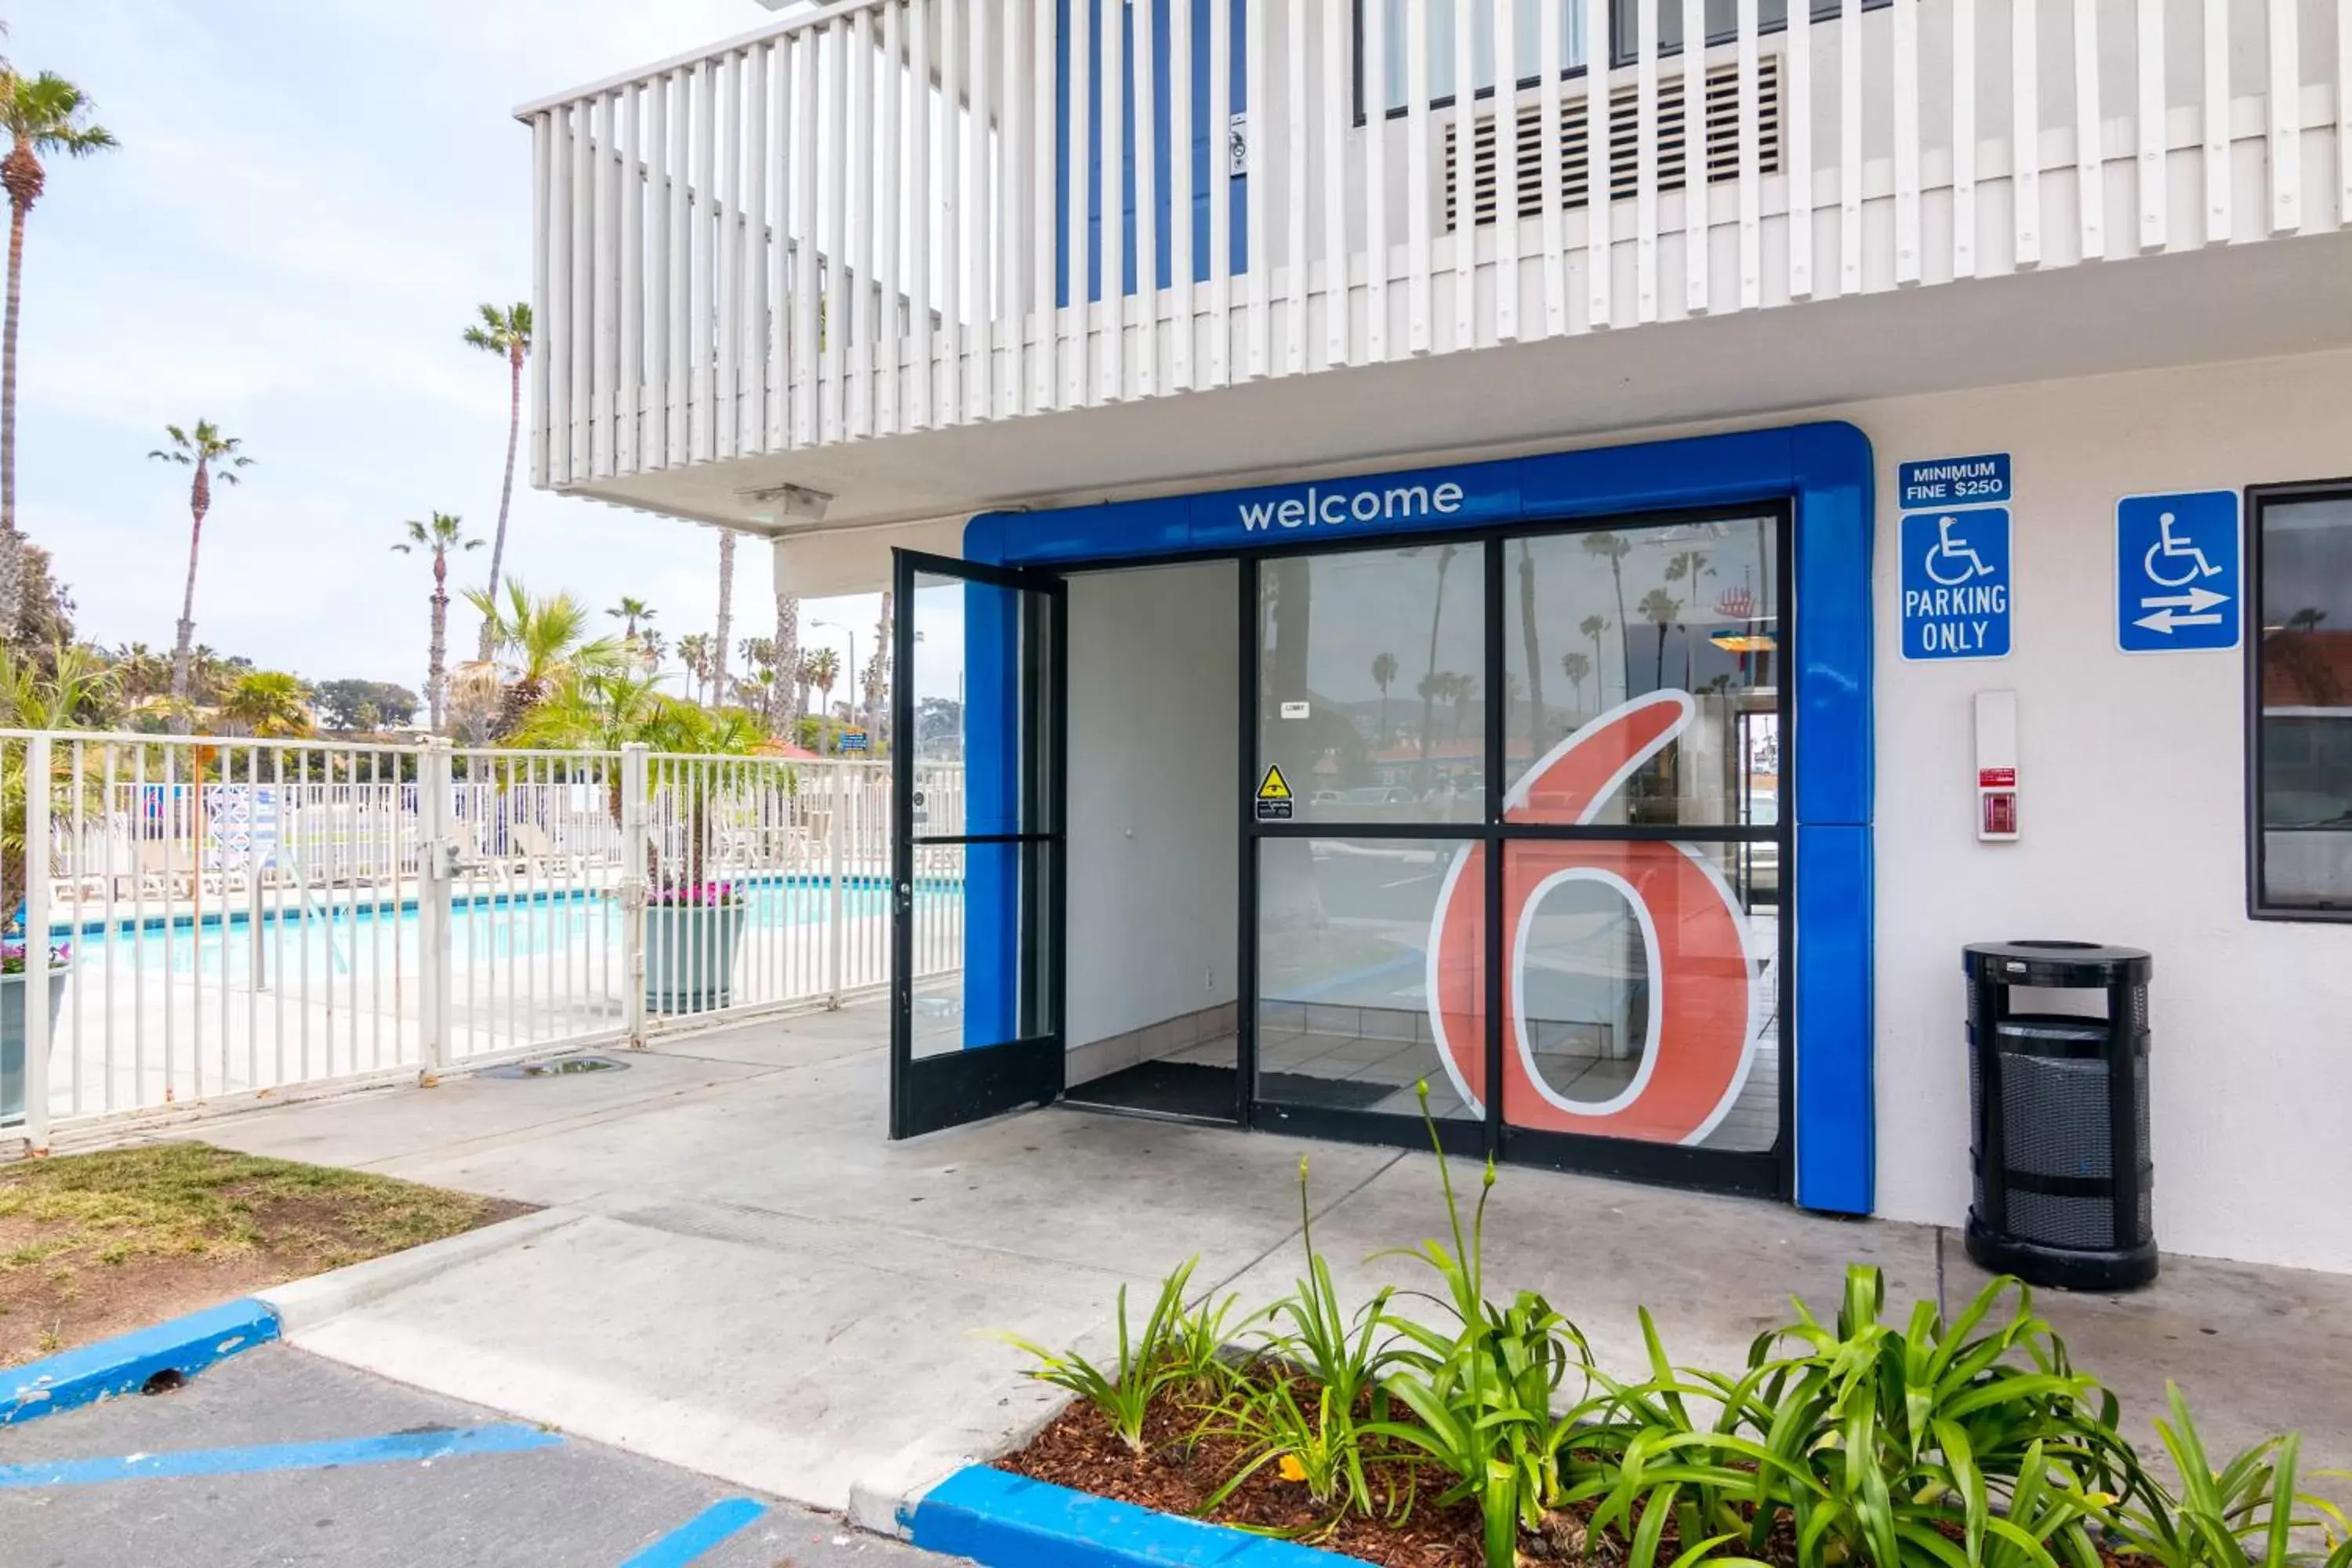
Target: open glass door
<point x="977" y="869"/>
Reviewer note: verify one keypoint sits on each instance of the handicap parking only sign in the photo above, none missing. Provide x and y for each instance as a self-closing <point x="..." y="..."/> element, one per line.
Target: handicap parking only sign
<point x="2178" y="579"/>
<point x="1956" y="584"/>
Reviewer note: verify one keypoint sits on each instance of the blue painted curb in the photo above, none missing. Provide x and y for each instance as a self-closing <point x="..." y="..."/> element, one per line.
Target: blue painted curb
<point x="1005" y="1521"/>
<point x="118" y="1366"/>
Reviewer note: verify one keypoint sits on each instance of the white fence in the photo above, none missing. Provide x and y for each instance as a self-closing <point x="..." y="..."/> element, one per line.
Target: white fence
<point x="889" y="216"/>
<point x="235" y="917"/>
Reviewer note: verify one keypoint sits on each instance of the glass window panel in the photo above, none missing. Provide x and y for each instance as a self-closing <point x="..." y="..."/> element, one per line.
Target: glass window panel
<point x="1527" y="24"/>
<point x="1593" y="621"/>
<point x="2305" y="745"/>
<point x="1346" y="1015"/>
<point x="1369" y="683"/>
<point x="1644" y="996"/>
<point x="979" y="949"/>
<point x="961" y="629"/>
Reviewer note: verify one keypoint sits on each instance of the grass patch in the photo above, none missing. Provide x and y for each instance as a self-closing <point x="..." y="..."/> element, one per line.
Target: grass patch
<point x="92" y="1245"/>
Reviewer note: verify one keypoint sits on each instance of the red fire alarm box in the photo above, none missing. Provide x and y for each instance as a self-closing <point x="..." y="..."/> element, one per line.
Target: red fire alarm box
<point x="1996" y="766"/>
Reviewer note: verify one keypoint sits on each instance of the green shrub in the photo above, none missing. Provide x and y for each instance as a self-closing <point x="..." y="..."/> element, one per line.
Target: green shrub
<point x="1148" y="1362"/>
<point x="2244" y="1515"/>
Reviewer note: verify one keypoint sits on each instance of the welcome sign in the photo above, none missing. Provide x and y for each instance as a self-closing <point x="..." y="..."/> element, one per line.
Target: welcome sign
<point x="1382" y="502"/>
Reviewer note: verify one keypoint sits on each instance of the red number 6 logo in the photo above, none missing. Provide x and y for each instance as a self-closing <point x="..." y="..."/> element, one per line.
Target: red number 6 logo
<point x="1704" y="995"/>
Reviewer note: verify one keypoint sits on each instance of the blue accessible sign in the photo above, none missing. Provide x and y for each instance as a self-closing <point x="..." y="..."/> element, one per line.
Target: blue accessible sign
<point x="1981" y="480"/>
<point x="2178" y="576"/>
<point x="1956" y="584"/>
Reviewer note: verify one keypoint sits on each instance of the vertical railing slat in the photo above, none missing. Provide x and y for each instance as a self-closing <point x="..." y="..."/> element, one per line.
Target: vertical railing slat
<point x="652" y="442"/>
<point x="752" y="324"/>
<point x="2090" y="150"/>
<point x="702" y="192"/>
<point x="1142" y="62"/>
<point x="1110" y="200"/>
<point x="1551" y="65"/>
<point x="1646" y="160"/>
<point x="832" y="407"/>
<point x="1797" y="108"/>
<point x="552" y="312"/>
<point x="1697" y="284"/>
<point x="1751" y="160"/>
<point x="628" y="393"/>
<point x="808" y="324"/>
<point x="1850" y="147"/>
<point x="891" y="162"/>
<point x="1045" y="216"/>
<point x="1907" y="241"/>
<point x="1011" y="228"/>
<point x="1337" y="116"/>
<point x="1420" y="304"/>
<point x="680" y="376"/>
<point x="2284" y="103"/>
<point x="1077" y="313"/>
<point x="727" y="207"/>
<point x="1466" y="181"/>
<point x="2025" y="132"/>
<point x="784" y="398"/>
<point x="860" y="167"/>
<point x="1964" y="138"/>
<point x="1507" y="171"/>
<point x="2155" y="221"/>
<point x="2344" y="113"/>
<point x="584" y="288"/>
<point x="1600" y="168"/>
<point x="2220" y="218"/>
<point x="973" y="400"/>
<point x="1259" y="82"/>
<point x="606" y="406"/>
<point x="1297" y="263"/>
<point x="1181" y="237"/>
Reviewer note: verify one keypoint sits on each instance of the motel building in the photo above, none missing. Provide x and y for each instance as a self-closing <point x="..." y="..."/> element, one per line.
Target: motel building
<point x="1575" y="552"/>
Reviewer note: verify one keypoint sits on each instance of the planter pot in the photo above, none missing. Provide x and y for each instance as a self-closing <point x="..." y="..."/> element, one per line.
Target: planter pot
<point x="12" y="1036"/>
<point x="690" y="956"/>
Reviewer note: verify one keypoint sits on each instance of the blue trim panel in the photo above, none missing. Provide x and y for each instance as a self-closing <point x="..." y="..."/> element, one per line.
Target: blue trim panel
<point x="333" y="1453"/>
<point x="1825" y="471"/>
<point x="1004" y="1520"/>
<point x="185" y="1345"/>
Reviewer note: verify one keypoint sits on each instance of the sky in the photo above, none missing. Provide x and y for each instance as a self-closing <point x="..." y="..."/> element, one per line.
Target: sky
<point x="310" y="200"/>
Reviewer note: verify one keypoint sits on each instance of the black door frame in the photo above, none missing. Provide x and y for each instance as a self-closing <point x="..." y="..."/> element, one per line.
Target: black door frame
<point x="1767" y="1173"/>
<point x="929" y="1093"/>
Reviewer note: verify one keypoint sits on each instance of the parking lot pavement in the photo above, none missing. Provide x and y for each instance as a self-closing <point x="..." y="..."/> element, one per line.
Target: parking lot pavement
<point x="280" y="1458"/>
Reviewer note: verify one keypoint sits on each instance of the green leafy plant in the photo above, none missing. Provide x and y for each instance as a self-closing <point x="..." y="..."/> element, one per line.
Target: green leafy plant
<point x="1312" y="1330"/>
<point x="2245" y="1514"/>
<point x="1148" y="1362"/>
<point x="1316" y="1441"/>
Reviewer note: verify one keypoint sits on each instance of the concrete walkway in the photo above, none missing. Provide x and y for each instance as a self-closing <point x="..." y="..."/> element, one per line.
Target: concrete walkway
<point x="754" y="1284"/>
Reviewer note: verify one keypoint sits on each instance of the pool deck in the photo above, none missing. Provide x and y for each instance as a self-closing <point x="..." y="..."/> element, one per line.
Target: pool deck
<point x="753" y="1283"/>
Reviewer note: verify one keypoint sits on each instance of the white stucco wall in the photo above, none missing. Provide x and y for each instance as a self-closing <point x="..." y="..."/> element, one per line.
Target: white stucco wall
<point x="2132" y="771"/>
<point x="1155" y="743"/>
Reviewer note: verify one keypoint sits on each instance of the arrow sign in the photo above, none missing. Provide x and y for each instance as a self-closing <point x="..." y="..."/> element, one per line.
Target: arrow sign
<point x="2165" y="620"/>
<point x="2196" y="602"/>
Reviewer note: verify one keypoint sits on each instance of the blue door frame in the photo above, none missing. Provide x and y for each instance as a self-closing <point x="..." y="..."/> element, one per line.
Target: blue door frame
<point x="1822" y="471"/>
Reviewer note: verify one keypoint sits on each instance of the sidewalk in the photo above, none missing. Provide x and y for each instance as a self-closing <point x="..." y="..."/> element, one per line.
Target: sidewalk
<point x="754" y="1284"/>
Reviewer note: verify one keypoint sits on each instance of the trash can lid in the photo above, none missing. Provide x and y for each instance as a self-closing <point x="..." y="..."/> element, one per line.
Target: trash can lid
<point x="2058" y="963"/>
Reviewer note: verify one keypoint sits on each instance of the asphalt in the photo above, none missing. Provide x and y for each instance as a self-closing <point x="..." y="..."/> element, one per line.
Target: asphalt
<point x="287" y="1437"/>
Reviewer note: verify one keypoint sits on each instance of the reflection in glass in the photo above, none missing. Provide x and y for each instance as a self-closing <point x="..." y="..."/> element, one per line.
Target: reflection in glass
<point x="1643" y="997"/>
<point x="1592" y="620"/>
<point x="1369" y="683"/>
<point x="1345" y="1018"/>
<point x="2307" y="695"/>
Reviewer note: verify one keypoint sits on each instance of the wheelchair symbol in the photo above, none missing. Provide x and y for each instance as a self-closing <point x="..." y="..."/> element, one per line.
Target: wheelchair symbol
<point x="1959" y="553"/>
<point x="2172" y="547"/>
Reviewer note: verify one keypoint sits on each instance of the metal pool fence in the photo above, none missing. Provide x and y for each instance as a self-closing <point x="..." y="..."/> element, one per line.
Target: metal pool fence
<point x="230" y="917"/>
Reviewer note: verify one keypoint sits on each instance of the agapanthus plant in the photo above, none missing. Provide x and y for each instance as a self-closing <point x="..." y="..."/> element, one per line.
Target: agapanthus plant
<point x="693" y="896"/>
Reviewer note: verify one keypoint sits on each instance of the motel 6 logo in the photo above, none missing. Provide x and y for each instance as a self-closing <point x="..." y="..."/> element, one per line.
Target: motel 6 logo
<point x="1705" y="997"/>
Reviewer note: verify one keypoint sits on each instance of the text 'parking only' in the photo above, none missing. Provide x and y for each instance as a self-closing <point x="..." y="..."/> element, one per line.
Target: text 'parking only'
<point x="1956" y="602"/>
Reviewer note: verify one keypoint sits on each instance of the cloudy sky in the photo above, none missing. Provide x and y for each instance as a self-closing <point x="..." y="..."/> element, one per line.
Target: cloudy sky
<point x="311" y="198"/>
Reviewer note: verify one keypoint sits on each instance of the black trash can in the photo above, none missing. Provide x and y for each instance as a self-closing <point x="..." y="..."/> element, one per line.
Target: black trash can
<point x="2059" y="1104"/>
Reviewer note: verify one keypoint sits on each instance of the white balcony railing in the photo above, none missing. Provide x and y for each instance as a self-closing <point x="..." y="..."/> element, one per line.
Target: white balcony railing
<point x="864" y="221"/>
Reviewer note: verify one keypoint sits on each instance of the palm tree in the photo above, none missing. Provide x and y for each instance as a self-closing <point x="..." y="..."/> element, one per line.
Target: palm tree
<point x="1687" y="565"/>
<point x="1592" y="626"/>
<point x="788" y="660"/>
<point x="1384" y="670"/>
<point x="44" y="116"/>
<point x="440" y="536"/>
<point x="1576" y="667"/>
<point x="213" y="456"/>
<point x="821" y="669"/>
<point x="694" y="649"/>
<point x="726" y="609"/>
<point x="630" y="612"/>
<point x="1660" y="609"/>
<point x="506" y="333"/>
<point x="142" y="672"/>
<point x="1428" y="692"/>
<point x="1530" y="638"/>
<point x="1613" y="549"/>
<point x="270" y="704"/>
<point x="544" y="639"/>
<point x="877" y="668"/>
<point x="1459" y="690"/>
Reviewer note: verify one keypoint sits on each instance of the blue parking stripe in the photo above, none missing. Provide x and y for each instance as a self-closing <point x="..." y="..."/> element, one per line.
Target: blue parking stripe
<point x="699" y="1534"/>
<point x="397" y="1447"/>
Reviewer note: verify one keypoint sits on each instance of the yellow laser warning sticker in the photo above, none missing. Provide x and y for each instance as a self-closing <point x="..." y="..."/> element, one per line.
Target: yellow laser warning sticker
<point x="1275" y="787"/>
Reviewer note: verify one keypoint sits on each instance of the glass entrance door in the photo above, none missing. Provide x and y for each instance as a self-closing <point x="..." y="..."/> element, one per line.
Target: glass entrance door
<point x="976" y="744"/>
<point x="1536" y="859"/>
